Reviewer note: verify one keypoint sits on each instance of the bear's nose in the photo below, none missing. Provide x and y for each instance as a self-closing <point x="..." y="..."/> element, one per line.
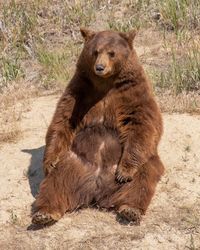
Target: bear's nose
<point x="100" y="67"/>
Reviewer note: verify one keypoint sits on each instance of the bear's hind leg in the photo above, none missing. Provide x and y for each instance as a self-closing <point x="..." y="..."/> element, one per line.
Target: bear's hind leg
<point x="65" y="189"/>
<point x="133" y="198"/>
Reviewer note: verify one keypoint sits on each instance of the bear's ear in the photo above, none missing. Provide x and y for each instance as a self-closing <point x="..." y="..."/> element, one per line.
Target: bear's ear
<point x="129" y="36"/>
<point x="87" y="34"/>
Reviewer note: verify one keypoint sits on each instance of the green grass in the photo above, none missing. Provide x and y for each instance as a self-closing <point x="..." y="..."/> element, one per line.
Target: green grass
<point x="22" y="21"/>
<point x="11" y="70"/>
<point x="57" y="65"/>
<point x="169" y="15"/>
<point x="135" y="15"/>
<point x="78" y="15"/>
<point x="124" y="25"/>
<point x="54" y="67"/>
<point x="180" y="14"/>
<point x="183" y="73"/>
<point x="28" y="32"/>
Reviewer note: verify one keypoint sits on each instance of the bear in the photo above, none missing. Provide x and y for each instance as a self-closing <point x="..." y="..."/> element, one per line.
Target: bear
<point x="102" y="143"/>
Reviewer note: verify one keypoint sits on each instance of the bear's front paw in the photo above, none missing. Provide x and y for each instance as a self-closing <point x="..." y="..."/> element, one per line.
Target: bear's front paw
<point x="124" y="174"/>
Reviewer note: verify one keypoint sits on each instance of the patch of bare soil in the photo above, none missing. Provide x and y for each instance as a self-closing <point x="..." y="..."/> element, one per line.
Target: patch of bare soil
<point x="172" y="221"/>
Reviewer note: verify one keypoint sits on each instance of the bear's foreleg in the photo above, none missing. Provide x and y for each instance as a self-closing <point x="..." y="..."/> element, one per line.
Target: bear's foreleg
<point x="134" y="197"/>
<point x="139" y="134"/>
<point x="59" y="134"/>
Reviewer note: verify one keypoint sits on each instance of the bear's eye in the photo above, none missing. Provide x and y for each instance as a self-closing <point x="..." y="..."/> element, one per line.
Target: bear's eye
<point x="111" y="53"/>
<point x="95" y="53"/>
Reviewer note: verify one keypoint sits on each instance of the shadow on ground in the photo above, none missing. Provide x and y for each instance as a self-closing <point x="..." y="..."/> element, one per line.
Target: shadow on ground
<point x="35" y="171"/>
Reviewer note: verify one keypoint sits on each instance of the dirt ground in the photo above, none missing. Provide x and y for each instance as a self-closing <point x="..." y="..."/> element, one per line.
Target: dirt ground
<point x="173" y="218"/>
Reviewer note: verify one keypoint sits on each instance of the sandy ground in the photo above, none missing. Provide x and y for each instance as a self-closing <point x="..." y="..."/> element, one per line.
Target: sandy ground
<point x="173" y="218"/>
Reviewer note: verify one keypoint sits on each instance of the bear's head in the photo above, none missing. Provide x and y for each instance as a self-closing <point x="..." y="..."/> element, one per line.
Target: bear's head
<point x="105" y="52"/>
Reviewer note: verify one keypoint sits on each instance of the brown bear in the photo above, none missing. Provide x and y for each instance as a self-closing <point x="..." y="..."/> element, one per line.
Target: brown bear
<point x="101" y="146"/>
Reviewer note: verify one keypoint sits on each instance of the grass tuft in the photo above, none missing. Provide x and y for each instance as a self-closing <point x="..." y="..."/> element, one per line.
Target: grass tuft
<point x="11" y="70"/>
<point x="180" y="14"/>
<point x="183" y="74"/>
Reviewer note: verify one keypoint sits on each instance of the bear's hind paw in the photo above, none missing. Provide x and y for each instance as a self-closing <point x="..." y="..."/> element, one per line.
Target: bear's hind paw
<point x="128" y="215"/>
<point x="41" y="218"/>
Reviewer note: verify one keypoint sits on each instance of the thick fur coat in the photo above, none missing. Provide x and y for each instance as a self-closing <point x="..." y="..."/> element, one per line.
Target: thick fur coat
<point x="101" y="146"/>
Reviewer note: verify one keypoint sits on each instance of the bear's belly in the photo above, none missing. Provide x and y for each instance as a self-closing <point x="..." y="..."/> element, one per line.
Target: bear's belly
<point x="99" y="147"/>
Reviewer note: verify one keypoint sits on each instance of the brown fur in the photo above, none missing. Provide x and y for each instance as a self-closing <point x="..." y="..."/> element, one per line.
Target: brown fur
<point x="101" y="146"/>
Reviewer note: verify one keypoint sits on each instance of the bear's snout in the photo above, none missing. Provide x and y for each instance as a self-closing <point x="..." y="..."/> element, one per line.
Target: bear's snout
<point x="100" y="68"/>
<point x="103" y="66"/>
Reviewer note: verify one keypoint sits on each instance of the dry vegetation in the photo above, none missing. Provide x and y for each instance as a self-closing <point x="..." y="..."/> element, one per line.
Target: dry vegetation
<point x="40" y="40"/>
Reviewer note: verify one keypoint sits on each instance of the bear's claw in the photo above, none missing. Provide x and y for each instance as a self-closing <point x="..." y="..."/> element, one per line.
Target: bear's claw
<point x="122" y="179"/>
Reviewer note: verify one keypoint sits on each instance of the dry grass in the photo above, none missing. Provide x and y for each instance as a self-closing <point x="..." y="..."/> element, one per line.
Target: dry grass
<point x="13" y="103"/>
<point x="10" y="129"/>
<point x="179" y="103"/>
<point x="12" y="135"/>
<point x="179" y="15"/>
<point x="183" y="72"/>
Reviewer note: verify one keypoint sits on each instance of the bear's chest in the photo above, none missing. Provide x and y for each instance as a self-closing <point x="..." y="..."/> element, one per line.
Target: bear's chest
<point x="102" y="113"/>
